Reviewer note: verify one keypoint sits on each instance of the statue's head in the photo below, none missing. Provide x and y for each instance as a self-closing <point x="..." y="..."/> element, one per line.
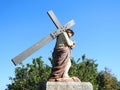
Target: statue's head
<point x="70" y="32"/>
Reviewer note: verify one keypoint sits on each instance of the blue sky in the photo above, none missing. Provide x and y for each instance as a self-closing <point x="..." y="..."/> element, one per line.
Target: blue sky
<point x="25" y="22"/>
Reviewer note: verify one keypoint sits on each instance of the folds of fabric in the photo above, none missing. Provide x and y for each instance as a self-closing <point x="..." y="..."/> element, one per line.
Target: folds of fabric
<point x="61" y="57"/>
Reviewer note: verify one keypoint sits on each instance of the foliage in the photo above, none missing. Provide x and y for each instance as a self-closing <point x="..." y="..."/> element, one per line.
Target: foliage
<point x="27" y="77"/>
<point x="107" y="81"/>
<point x="86" y="70"/>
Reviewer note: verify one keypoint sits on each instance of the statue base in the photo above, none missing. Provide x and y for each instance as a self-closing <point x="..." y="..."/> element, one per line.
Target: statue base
<point x="65" y="86"/>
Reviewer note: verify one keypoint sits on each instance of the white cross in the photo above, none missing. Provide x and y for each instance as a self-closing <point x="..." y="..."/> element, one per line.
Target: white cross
<point x="60" y="29"/>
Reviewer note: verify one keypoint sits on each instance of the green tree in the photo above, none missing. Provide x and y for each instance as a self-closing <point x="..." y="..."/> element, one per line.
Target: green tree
<point x="27" y="77"/>
<point x="86" y="70"/>
<point x="107" y="81"/>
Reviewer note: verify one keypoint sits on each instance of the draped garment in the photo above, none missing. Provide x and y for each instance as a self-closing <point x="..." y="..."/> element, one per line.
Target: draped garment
<point x="61" y="57"/>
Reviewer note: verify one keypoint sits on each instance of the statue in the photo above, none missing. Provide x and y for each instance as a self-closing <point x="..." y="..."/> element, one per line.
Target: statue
<point x="61" y="58"/>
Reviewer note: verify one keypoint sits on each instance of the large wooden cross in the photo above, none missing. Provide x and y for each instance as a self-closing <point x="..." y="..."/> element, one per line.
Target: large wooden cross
<point x="60" y="29"/>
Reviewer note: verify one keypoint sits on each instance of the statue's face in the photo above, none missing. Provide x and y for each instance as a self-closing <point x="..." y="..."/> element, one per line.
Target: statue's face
<point x="69" y="34"/>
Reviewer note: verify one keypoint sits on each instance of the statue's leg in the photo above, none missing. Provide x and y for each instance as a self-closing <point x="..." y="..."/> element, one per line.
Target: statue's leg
<point x="68" y="65"/>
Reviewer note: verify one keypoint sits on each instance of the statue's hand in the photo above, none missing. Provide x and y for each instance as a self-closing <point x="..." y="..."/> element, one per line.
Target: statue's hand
<point x="73" y="42"/>
<point x="73" y="45"/>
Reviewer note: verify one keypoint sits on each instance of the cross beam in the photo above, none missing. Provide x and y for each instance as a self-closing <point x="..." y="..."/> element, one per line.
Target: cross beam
<point x="60" y="29"/>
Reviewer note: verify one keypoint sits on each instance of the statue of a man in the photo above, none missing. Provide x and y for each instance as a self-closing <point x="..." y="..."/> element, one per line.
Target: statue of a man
<point x="61" y="57"/>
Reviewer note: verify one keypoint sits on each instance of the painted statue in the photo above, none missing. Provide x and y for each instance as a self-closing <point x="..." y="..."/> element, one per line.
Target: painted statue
<point x="61" y="57"/>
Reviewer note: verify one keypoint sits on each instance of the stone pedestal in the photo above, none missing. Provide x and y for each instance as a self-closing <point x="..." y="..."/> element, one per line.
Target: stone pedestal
<point x="65" y="86"/>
